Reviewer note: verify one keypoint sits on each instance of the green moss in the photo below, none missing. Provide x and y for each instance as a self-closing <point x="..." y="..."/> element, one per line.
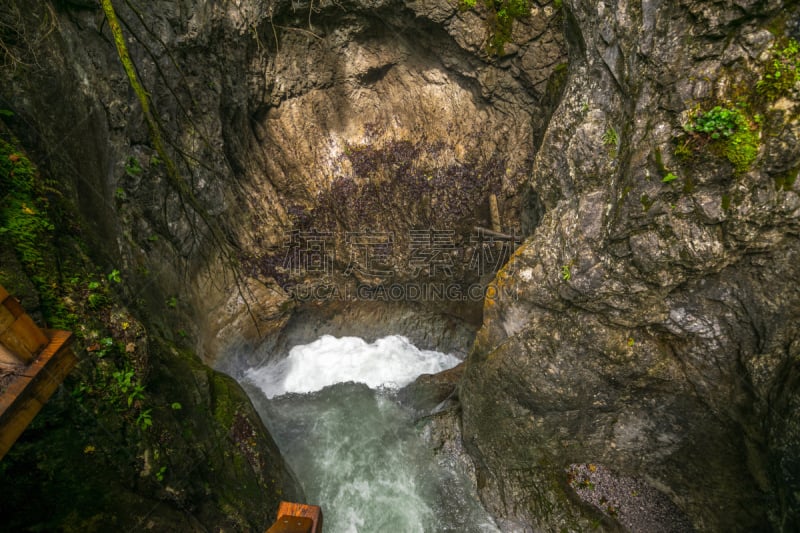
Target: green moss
<point x="500" y="17"/>
<point x="556" y="82"/>
<point x="786" y="180"/>
<point x="742" y="149"/>
<point x="781" y="72"/>
<point x="660" y="162"/>
<point x="647" y="202"/>
<point x="25" y="222"/>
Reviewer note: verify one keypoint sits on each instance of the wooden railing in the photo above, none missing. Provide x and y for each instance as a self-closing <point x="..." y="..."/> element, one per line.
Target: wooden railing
<point x="33" y="363"/>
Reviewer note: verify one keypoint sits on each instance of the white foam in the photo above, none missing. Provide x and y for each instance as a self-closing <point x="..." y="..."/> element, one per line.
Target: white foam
<point x="390" y="362"/>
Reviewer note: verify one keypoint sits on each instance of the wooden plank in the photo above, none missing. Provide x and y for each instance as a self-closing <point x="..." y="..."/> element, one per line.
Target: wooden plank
<point x="27" y="394"/>
<point x="16" y="344"/>
<point x="13" y="305"/>
<point x="6" y="319"/>
<point x="30" y="334"/>
<point x="18" y="333"/>
<point x="7" y="357"/>
<point x="292" y="524"/>
<point x="314" y="512"/>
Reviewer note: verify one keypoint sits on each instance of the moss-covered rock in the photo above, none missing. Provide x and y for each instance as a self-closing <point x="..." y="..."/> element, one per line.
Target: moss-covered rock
<point x="141" y="433"/>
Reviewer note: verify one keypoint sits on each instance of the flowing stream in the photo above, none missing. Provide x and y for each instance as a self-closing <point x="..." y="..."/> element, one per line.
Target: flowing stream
<point x="330" y="407"/>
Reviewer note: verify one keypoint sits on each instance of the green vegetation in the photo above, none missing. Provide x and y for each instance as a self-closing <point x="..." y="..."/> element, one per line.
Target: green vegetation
<point x="683" y="150"/>
<point x="786" y="180"/>
<point x="734" y="131"/>
<point x="729" y="129"/>
<point x="500" y="18"/>
<point x="647" y="202"/>
<point x="717" y="123"/>
<point x="782" y="71"/>
<point x="132" y="167"/>
<point x="71" y="294"/>
<point x="611" y="137"/>
<point x="669" y="177"/>
<point x="566" y="273"/>
<point x="25" y="224"/>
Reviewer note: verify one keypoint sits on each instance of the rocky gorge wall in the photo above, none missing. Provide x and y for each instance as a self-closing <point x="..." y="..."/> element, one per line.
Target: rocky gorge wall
<point x="272" y="114"/>
<point x="648" y="325"/>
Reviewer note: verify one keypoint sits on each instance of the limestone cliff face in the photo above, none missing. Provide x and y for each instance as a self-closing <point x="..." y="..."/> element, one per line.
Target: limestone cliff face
<point x="357" y="117"/>
<point x="338" y="117"/>
<point x="646" y="323"/>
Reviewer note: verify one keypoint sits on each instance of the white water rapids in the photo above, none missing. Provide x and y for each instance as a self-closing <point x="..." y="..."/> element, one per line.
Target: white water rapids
<point x="356" y="451"/>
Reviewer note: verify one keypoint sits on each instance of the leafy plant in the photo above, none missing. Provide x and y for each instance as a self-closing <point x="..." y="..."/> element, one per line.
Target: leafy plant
<point x="114" y="276"/>
<point x="103" y="347"/>
<point x="96" y="300"/>
<point x="782" y="71"/>
<point x="160" y="473"/>
<point x="145" y="419"/>
<point x="731" y="129"/>
<point x="669" y="177"/>
<point x="719" y="122"/>
<point x="610" y="137"/>
<point x="566" y="274"/>
<point x="132" y="167"/>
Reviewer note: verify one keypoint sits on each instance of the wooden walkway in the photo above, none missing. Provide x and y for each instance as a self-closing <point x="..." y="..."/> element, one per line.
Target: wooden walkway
<point x="33" y="363"/>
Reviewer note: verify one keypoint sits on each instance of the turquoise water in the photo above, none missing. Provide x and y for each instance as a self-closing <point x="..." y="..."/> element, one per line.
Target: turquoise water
<point x="355" y="450"/>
